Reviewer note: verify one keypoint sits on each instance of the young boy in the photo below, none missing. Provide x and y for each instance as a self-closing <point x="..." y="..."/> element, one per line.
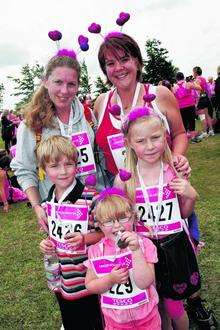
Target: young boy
<point x="58" y="158"/>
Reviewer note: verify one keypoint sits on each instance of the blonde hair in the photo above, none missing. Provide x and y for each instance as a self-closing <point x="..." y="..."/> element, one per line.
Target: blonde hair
<point x="131" y="158"/>
<point x="113" y="207"/>
<point x="53" y="147"/>
<point x="40" y="110"/>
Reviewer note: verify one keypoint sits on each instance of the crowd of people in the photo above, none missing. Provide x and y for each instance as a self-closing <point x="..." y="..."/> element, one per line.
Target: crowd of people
<point x="197" y="98"/>
<point x="120" y="169"/>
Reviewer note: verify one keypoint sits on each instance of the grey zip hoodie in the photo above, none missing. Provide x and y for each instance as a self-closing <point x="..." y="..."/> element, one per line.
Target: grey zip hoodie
<point x="24" y="164"/>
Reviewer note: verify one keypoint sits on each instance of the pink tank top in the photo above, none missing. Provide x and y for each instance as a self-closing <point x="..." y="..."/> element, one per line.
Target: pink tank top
<point x="184" y="95"/>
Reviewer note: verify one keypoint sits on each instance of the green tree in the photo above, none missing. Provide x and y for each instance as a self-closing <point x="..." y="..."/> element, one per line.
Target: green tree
<point x="101" y="86"/>
<point x="25" y="86"/>
<point x="85" y="86"/>
<point x="2" y="89"/>
<point x="157" y="66"/>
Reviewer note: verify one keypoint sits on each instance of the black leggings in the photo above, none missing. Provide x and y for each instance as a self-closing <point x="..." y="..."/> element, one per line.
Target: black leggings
<point x="188" y="115"/>
<point x="82" y="313"/>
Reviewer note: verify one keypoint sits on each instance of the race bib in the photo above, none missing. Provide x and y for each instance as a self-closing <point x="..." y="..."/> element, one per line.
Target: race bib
<point x="64" y="219"/>
<point x="86" y="161"/>
<point x="120" y="296"/>
<point x="117" y="146"/>
<point x="170" y="221"/>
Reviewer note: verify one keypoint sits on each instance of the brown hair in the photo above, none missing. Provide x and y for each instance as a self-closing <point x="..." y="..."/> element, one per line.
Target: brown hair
<point x="120" y="42"/>
<point x="39" y="111"/>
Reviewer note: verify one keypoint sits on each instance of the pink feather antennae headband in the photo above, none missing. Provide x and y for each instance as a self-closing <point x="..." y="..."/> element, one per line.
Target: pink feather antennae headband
<point x="137" y="113"/>
<point x="113" y="191"/>
<point x="121" y="20"/>
<point x="83" y="42"/>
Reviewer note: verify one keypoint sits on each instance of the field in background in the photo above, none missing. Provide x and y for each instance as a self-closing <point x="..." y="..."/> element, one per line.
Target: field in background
<point x="26" y="303"/>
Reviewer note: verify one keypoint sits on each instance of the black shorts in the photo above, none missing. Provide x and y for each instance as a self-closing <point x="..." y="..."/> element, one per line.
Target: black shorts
<point x="177" y="273"/>
<point x="203" y="103"/>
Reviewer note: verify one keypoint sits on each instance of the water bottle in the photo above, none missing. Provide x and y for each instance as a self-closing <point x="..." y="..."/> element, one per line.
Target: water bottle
<point x="52" y="270"/>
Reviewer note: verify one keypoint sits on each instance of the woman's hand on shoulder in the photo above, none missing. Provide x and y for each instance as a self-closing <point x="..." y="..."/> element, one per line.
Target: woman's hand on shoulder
<point x="181" y="165"/>
<point x="183" y="188"/>
<point x="98" y="105"/>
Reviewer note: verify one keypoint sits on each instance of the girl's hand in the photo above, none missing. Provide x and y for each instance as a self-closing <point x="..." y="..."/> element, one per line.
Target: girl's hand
<point x="132" y="239"/>
<point x="182" y="187"/>
<point x="42" y="218"/>
<point x="47" y="246"/>
<point x="74" y="240"/>
<point x="181" y="164"/>
<point x="118" y="275"/>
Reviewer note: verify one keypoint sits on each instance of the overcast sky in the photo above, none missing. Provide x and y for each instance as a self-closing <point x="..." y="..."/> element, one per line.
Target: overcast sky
<point x="189" y="30"/>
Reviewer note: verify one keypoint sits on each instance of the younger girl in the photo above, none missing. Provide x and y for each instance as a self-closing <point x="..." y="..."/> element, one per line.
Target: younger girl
<point x="122" y="270"/>
<point x="162" y="200"/>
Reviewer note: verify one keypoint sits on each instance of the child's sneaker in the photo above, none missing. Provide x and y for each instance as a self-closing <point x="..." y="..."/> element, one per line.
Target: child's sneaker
<point x="211" y="132"/>
<point x="203" y="135"/>
<point x="198" y="312"/>
<point x="195" y="140"/>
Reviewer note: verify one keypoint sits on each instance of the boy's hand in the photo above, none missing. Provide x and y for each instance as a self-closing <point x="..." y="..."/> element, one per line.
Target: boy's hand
<point x="74" y="240"/>
<point x="119" y="275"/>
<point x="47" y="246"/>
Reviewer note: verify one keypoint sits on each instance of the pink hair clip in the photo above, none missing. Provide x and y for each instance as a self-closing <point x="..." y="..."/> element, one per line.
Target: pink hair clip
<point x="110" y="192"/>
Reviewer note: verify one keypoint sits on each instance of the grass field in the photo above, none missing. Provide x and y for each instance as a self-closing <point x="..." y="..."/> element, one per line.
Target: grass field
<point x="26" y="303"/>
